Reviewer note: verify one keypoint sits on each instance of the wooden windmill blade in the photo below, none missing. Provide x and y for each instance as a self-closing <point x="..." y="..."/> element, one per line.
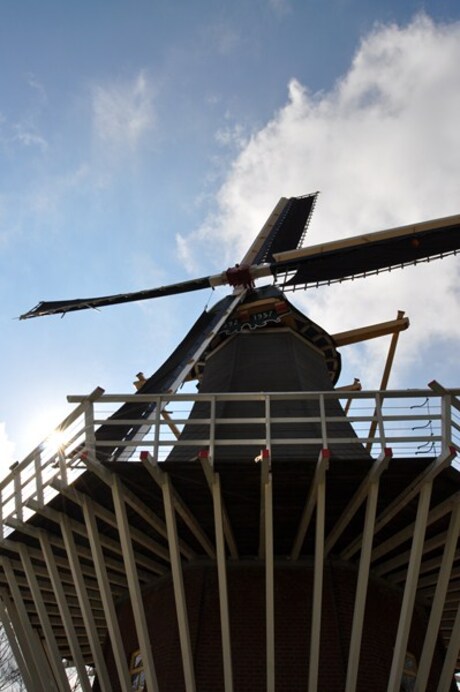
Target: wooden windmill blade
<point x="61" y="307"/>
<point x="370" y="253"/>
<point x="285" y="229"/>
<point x="321" y="264"/>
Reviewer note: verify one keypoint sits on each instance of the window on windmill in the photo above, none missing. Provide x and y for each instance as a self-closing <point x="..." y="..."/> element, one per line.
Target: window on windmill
<point x="136" y="672"/>
<point x="409" y="673"/>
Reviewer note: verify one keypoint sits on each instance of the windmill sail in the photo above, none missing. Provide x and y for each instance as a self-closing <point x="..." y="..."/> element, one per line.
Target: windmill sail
<point x="320" y="264"/>
<point x="367" y="254"/>
<point x="56" y="307"/>
<point x="284" y="229"/>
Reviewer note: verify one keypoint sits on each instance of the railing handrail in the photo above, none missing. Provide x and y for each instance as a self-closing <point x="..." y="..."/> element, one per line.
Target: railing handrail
<point x="260" y="396"/>
<point x="31" y="477"/>
<point x="66" y="423"/>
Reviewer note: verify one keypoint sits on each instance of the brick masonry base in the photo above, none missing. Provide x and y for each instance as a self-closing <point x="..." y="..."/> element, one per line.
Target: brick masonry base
<point x="293" y="608"/>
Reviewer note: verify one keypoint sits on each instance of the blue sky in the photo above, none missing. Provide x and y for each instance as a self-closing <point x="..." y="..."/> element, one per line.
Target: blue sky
<point x="143" y="143"/>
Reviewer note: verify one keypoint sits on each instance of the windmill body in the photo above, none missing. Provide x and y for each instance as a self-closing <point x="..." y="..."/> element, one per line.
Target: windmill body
<point x="262" y="539"/>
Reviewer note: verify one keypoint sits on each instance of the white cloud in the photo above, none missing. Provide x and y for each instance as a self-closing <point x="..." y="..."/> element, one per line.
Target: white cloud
<point x="123" y="111"/>
<point x="280" y="7"/>
<point x="232" y="136"/>
<point x="186" y="255"/>
<point x="38" y="87"/>
<point x="27" y="134"/>
<point x="382" y="146"/>
<point x="25" y="130"/>
<point x="223" y="38"/>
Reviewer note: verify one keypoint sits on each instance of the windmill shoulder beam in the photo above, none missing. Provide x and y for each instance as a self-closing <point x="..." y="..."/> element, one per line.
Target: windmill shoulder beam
<point x="389" y="234"/>
<point x="372" y="331"/>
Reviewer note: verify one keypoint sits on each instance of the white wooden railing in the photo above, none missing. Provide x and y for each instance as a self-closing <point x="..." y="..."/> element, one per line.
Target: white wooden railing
<point x="410" y="422"/>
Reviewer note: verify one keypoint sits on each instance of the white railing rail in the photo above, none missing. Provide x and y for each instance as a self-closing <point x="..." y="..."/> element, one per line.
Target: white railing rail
<point x="32" y="478"/>
<point x="411" y="422"/>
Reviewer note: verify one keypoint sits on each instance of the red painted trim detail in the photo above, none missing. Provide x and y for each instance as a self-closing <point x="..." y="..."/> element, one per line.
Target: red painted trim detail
<point x="239" y="275"/>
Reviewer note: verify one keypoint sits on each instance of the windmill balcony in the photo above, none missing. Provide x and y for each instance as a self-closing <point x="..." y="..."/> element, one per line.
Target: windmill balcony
<point x="412" y="423"/>
<point x="348" y="499"/>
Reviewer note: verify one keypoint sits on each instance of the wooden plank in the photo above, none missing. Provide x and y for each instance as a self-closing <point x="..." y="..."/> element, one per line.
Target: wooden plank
<point x="321" y="468"/>
<point x="269" y="585"/>
<point x="372" y="331"/>
<point x="223" y="587"/>
<point x="361" y="589"/>
<point x="179" y="590"/>
<point x="107" y="598"/>
<point x="437" y="607"/>
<point x="410" y="589"/>
<point x="137" y="605"/>
<point x="318" y="575"/>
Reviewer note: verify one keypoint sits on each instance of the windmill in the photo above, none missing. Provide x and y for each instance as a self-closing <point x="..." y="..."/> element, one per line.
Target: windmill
<point x="269" y="547"/>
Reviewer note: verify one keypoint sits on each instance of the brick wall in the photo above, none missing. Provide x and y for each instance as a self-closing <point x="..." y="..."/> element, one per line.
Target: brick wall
<point x="293" y="607"/>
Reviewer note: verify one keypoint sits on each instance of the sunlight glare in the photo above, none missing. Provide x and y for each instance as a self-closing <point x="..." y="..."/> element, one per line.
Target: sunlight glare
<point x="44" y="431"/>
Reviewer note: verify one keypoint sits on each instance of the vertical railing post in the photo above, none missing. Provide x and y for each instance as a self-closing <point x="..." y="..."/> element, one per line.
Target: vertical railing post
<point x="2" y="534"/>
<point x="212" y="430"/>
<point x="90" y="436"/>
<point x="18" y="493"/>
<point x="157" y="431"/>
<point x="447" y="401"/>
<point x="38" y="477"/>
<point x="268" y="441"/>
<point x="446" y="418"/>
<point x="380" y="424"/>
<point x="62" y="465"/>
<point x="322" y="413"/>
